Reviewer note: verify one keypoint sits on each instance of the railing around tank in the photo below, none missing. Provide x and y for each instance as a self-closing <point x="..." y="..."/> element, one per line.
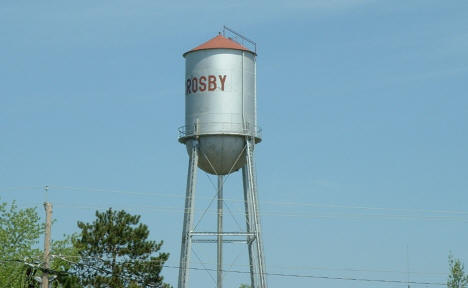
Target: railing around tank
<point x="239" y="38"/>
<point x="214" y="128"/>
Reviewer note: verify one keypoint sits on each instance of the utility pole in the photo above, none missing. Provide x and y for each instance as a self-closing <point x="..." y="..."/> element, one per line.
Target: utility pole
<point x="48" y="210"/>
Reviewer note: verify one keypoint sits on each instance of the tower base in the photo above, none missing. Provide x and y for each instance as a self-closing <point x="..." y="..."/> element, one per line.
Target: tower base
<point x="252" y="235"/>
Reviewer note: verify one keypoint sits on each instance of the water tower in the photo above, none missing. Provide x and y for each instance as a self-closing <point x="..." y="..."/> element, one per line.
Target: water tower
<point x="220" y="134"/>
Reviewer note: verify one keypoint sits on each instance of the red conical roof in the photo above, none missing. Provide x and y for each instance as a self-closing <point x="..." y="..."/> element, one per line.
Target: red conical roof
<point x="219" y="42"/>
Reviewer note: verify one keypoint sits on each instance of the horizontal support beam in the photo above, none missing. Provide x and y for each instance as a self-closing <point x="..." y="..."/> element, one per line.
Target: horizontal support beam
<point x="222" y="233"/>
<point x="215" y="240"/>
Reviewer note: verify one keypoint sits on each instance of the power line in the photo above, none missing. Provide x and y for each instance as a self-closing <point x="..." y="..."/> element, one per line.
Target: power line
<point x="277" y="203"/>
<point x="347" y="216"/>
<point x="299" y="267"/>
<point x="321" y="277"/>
<point x="17" y="188"/>
<point x="274" y="203"/>
<point x="285" y="275"/>
<point x="294" y="275"/>
<point x="102" y="270"/>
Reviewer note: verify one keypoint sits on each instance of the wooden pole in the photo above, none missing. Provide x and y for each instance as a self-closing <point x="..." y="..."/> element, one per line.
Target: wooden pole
<point x="45" y="275"/>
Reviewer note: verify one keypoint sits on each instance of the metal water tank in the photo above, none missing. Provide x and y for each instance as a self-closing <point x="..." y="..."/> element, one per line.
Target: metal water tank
<point x="220" y="103"/>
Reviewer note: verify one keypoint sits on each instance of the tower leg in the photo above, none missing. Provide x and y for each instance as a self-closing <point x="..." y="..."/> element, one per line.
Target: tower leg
<point x="255" y="219"/>
<point x="186" y="246"/>
<point x="219" y="270"/>
<point x="248" y="214"/>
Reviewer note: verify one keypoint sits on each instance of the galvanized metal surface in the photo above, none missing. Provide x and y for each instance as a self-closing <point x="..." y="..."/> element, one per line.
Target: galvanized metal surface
<point x="252" y="200"/>
<point x="222" y="233"/>
<point x="219" y="267"/>
<point x="187" y="132"/>
<point x="220" y="154"/>
<point x="220" y="133"/>
<point x="252" y="235"/>
<point x="220" y="106"/>
<point x="186" y="246"/>
<point x="229" y="101"/>
<point x="248" y="216"/>
<point x="216" y="241"/>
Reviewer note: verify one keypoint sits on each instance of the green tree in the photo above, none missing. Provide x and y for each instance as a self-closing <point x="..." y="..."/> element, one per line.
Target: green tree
<point x="457" y="277"/>
<point x="244" y="286"/>
<point x="65" y="255"/>
<point x="20" y="230"/>
<point x="115" y="252"/>
<point x="20" y="257"/>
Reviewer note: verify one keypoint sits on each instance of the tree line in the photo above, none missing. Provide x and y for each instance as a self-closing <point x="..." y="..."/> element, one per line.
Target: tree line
<point x="112" y="251"/>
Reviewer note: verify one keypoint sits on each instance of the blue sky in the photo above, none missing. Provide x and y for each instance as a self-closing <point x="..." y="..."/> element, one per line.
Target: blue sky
<point x="363" y="166"/>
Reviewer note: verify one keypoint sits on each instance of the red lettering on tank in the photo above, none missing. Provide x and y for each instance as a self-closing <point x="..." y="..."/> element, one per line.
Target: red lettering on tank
<point x="189" y="82"/>
<point x="202" y="83"/>
<point x="211" y="83"/>
<point x="205" y="83"/>
<point x="194" y="84"/>
<point x="222" y="79"/>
